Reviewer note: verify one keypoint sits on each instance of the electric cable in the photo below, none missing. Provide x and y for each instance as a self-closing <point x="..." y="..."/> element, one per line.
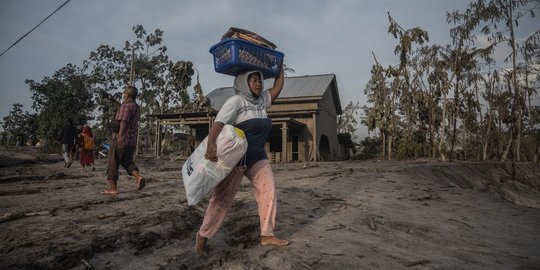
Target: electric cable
<point x="34" y="28"/>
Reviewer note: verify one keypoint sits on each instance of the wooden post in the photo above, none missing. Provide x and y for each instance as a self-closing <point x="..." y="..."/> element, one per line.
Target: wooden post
<point x="157" y="139"/>
<point x="315" y="147"/>
<point x="284" y="154"/>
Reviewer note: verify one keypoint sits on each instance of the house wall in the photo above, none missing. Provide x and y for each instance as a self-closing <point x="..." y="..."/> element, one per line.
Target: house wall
<point x="303" y="143"/>
<point x="299" y="110"/>
<point x="293" y="106"/>
<point x="327" y="126"/>
<point x="319" y="116"/>
<point x="325" y="122"/>
<point x="309" y="138"/>
<point x="304" y="138"/>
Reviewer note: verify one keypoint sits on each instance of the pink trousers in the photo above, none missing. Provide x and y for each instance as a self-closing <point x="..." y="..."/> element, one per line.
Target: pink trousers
<point x="260" y="174"/>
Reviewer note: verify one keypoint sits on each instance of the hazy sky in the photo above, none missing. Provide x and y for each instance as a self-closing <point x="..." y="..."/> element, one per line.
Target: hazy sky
<point x="316" y="36"/>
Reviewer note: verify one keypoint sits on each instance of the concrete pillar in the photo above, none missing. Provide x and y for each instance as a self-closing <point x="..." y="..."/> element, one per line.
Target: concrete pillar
<point x="315" y="148"/>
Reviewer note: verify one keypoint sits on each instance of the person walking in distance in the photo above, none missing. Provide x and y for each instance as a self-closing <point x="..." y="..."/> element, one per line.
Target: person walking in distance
<point x="67" y="138"/>
<point x="124" y="142"/>
<point x="87" y="148"/>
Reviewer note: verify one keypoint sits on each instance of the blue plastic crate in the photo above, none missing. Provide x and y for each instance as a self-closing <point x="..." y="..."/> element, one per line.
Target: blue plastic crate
<point x="233" y="56"/>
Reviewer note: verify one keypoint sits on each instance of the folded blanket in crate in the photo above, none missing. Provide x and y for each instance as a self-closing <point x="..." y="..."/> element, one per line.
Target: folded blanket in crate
<point x="200" y="175"/>
<point x="234" y="32"/>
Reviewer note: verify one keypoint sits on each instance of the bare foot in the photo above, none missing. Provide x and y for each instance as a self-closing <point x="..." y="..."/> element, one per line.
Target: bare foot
<point x="139" y="179"/>
<point x="109" y="192"/>
<point x="273" y="241"/>
<point x="200" y="245"/>
<point x="140" y="183"/>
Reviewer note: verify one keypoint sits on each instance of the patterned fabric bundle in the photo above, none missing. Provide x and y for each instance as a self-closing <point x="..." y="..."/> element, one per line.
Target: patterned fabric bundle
<point x="234" y="32"/>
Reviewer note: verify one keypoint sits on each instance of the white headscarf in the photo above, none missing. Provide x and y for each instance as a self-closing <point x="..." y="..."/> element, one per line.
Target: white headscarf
<point x="241" y="86"/>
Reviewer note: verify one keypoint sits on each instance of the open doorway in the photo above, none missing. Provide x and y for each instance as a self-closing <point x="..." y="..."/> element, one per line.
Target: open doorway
<point x="324" y="148"/>
<point x="294" y="144"/>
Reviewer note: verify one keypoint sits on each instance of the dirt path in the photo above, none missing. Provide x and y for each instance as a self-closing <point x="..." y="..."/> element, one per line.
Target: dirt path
<point x="337" y="215"/>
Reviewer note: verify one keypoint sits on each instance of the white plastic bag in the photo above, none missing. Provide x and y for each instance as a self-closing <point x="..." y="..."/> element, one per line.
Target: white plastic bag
<point x="200" y="175"/>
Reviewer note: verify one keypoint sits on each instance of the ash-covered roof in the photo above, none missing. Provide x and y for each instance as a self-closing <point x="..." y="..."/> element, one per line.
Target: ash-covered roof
<point x="293" y="87"/>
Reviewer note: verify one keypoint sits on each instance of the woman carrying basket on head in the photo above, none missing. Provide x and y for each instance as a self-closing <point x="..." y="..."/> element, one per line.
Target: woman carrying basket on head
<point x="245" y="110"/>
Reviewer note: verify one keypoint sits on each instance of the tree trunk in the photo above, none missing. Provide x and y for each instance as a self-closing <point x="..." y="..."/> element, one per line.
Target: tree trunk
<point x="517" y="92"/>
<point x="507" y="147"/>
<point x="477" y="134"/>
<point x="528" y="101"/>
<point x="443" y="130"/>
<point x="488" y="134"/>
<point x="432" y="129"/>
<point x="456" y="74"/>
<point x="162" y="105"/>
<point x="392" y="127"/>
<point x="390" y="138"/>
<point x="383" y="135"/>
<point x="535" y="158"/>
<point x="454" y="118"/>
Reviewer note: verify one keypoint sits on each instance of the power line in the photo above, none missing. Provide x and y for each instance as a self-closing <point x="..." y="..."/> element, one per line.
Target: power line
<point x="34" y="27"/>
